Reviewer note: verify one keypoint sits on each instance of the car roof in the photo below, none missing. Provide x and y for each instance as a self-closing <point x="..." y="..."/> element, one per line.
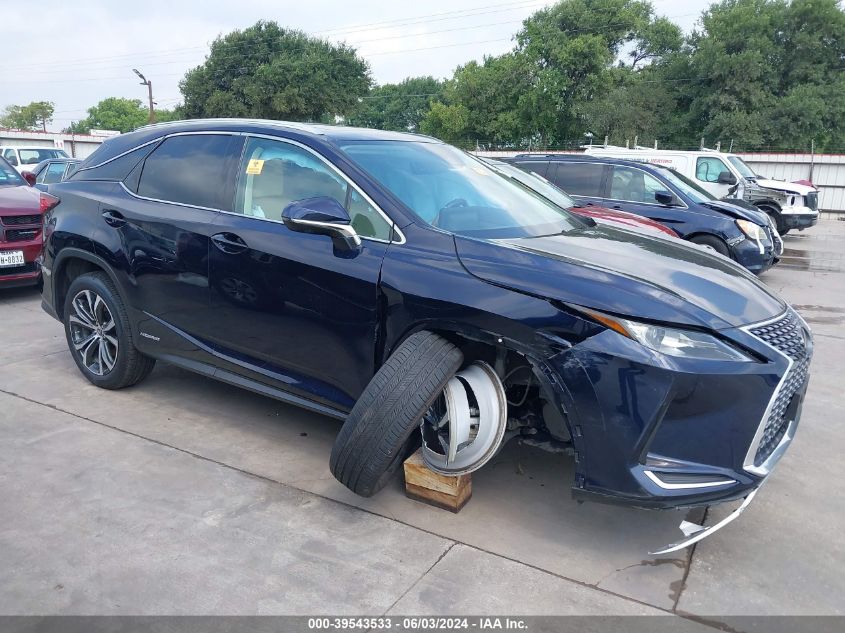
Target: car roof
<point x="588" y="158"/>
<point x="332" y="132"/>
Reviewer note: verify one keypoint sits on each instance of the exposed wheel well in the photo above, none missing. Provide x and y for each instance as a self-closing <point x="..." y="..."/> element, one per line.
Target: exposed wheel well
<point x="70" y="269"/>
<point x="531" y="408"/>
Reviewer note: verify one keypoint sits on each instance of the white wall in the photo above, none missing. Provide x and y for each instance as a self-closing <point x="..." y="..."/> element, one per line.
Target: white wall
<point x="76" y="145"/>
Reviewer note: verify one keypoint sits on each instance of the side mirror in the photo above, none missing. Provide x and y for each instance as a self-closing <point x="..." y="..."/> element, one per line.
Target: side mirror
<point x="726" y="178"/>
<point x="29" y="177"/>
<point x="323" y="216"/>
<point x="666" y="198"/>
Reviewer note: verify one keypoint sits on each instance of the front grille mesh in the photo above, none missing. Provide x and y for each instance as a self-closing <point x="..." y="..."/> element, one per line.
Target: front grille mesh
<point x="21" y="235"/>
<point x="18" y="220"/>
<point x="787" y="336"/>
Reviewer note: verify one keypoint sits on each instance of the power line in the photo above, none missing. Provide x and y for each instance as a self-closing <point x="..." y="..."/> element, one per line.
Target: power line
<point x="484" y="10"/>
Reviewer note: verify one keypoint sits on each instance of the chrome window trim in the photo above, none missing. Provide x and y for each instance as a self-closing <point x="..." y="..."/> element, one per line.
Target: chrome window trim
<point x="698" y="484"/>
<point x="248" y="135"/>
<point x="766" y="467"/>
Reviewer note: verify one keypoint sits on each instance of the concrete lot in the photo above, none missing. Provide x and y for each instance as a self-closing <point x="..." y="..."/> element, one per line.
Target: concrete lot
<point x="186" y="496"/>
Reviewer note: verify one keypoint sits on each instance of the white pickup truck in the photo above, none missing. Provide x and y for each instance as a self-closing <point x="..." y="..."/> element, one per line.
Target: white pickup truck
<point x="791" y="205"/>
<point x="26" y="158"/>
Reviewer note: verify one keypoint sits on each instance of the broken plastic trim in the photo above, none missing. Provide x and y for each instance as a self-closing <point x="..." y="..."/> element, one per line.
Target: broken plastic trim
<point x="695" y="532"/>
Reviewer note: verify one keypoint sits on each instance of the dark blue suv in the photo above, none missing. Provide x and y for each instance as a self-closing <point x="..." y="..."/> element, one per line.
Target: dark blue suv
<point x="402" y="286"/>
<point x="745" y="235"/>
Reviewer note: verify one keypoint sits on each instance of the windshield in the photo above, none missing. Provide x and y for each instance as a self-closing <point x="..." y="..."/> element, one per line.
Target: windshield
<point x="744" y="170"/>
<point x="533" y="181"/>
<point x="34" y="156"/>
<point x="687" y="186"/>
<point x="9" y="176"/>
<point x="456" y="192"/>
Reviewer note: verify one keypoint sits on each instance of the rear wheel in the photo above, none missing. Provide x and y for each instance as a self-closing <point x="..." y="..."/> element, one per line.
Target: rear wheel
<point x="98" y="334"/>
<point x="712" y="243"/>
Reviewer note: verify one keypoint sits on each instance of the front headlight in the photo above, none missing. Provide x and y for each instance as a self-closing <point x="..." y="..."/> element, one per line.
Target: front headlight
<point x="672" y="341"/>
<point x="754" y="231"/>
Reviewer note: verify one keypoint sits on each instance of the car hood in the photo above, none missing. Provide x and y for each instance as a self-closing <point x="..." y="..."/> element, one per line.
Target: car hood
<point x="782" y="185"/>
<point x="741" y="213"/>
<point x="624" y="218"/>
<point x="17" y="199"/>
<point x="625" y="273"/>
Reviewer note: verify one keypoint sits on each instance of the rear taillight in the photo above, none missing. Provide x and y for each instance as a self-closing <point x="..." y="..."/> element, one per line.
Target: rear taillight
<point x="48" y="202"/>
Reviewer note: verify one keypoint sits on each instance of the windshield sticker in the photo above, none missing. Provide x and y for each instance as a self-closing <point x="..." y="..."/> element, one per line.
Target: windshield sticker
<point x="255" y="166"/>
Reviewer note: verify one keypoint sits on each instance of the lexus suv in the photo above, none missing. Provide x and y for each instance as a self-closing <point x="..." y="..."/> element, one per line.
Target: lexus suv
<point x="400" y="285"/>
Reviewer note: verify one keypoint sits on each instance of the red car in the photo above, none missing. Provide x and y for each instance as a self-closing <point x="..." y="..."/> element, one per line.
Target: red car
<point x="22" y="211"/>
<point x="559" y="197"/>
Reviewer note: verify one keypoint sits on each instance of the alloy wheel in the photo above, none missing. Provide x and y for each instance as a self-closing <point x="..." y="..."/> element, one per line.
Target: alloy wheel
<point x="465" y="425"/>
<point x="93" y="332"/>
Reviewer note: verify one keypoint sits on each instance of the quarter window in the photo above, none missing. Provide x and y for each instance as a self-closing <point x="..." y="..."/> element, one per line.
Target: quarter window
<point x="634" y="185"/>
<point x="578" y="179"/>
<point x="194" y="169"/>
<point x="707" y="169"/>
<point x="275" y="174"/>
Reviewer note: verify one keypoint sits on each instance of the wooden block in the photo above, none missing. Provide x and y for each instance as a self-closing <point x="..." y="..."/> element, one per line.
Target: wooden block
<point x="422" y="484"/>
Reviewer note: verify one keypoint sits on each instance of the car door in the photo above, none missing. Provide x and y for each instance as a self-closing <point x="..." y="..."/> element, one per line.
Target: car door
<point x="159" y="222"/>
<point x="288" y="303"/>
<point x="584" y="181"/>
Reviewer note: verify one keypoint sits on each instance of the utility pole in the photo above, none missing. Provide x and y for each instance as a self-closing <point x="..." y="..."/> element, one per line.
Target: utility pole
<point x="149" y="84"/>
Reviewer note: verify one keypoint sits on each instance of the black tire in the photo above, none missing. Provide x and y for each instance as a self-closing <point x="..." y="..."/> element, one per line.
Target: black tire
<point x="717" y="244"/>
<point x="783" y="232"/>
<point x="371" y="445"/>
<point x="130" y="366"/>
<point x="776" y="217"/>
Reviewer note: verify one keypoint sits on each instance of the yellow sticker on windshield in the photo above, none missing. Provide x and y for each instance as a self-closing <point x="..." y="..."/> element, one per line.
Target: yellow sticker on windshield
<point x="255" y="166"/>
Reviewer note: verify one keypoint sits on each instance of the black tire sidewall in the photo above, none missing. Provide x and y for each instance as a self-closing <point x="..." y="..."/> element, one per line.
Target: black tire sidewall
<point x="718" y="244"/>
<point x="95" y="283"/>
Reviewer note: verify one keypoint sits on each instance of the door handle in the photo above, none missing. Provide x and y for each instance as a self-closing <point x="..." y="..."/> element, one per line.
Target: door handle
<point x="589" y="204"/>
<point x="229" y="243"/>
<point x="113" y="218"/>
<point x="617" y="207"/>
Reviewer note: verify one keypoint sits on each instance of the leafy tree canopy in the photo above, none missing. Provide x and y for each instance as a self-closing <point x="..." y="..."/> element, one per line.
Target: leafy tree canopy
<point x="34" y="116"/>
<point x="267" y="71"/>
<point x="398" y="107"/>
<point x="117" y="113"/>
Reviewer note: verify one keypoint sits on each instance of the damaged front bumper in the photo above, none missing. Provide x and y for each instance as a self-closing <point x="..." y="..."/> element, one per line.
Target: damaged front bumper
<point x="695" y="532"/>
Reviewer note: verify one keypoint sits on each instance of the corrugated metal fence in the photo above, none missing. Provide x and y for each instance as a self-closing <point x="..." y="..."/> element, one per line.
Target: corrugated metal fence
<point x="825" y="171"/>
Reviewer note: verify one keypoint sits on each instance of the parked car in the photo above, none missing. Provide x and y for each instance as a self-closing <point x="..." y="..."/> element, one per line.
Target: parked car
<point x="543" y="187"/>
<point x="50" y="171"/>
<point x="665" y="196"/>
<point x="26" y="158"/>
<point x="792" y="205"/>
<point x="396" y="283"/>
<point x="21" y="209"/>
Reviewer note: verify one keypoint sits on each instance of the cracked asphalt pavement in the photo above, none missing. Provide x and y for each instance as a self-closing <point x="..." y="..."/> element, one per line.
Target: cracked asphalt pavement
<point x="186" y="496"/>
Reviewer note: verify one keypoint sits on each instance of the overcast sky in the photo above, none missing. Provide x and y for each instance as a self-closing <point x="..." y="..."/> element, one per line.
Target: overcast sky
<point x="76" y="52"/>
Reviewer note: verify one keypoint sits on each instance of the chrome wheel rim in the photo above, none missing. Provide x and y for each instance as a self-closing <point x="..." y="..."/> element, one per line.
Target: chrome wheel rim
<point x="93" y="332"/>
<point x="465" y="425"/>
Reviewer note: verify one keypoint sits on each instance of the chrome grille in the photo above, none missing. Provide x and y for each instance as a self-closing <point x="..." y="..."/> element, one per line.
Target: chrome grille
<point x="21" y="235"/>
<point x="786" y="335"/>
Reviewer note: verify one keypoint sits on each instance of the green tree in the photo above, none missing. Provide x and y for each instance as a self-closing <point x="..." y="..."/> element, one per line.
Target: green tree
<point x="118" y="113"/>
<point x="270" y="72"/>
<point x="398" y="107"/>
<point x="764" y="72"/>
<point x="34" y="116"/>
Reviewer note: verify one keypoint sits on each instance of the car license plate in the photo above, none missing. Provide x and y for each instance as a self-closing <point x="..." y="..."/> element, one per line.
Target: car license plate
<point x="11" y="258"/>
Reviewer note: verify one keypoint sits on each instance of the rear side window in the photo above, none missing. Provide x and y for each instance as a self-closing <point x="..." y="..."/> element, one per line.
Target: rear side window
<point x="195" y="169"/>
<point x="537" y="166"/>
<point x="578" y="179"/>
<point x="115" y="169"/>
<point x="53" y="173"/>
<point x="634" y="185"/>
